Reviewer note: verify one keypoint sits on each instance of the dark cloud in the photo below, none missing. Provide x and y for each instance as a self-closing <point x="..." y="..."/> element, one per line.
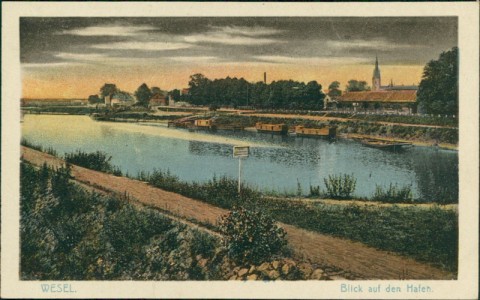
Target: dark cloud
<point x="397" y="40"/>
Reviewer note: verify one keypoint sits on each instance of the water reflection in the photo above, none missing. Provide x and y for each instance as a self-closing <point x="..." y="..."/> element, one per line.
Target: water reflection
<point x="276" y="162"/>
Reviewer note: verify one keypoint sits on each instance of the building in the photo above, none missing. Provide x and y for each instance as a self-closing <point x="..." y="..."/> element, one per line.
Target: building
<point x="404" y="101"/>
<point x="390" y="98"/>
<point x="157" y="100"/>
<point x="119" y="99"/>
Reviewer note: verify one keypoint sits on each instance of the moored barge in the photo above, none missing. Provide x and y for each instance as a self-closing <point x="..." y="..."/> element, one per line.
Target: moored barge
<point x="271" y="128"/>
<point x="324" y="132"/>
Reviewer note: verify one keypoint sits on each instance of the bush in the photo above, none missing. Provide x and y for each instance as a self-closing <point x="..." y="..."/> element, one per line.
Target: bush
<point x="98" y="161"/>
<point x="251" y="236"/>
<point x="340" y="187"/>
<point x="394" y="194"/>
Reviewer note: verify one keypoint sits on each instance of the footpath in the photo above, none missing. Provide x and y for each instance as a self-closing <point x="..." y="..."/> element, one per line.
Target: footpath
<point x="353" y="257"/>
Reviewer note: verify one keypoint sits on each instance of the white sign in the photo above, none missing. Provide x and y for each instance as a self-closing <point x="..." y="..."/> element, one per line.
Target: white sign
<point x="241" y="151"/>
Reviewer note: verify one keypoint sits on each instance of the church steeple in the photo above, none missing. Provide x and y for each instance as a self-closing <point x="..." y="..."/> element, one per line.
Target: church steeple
<point x="376" y="81"/>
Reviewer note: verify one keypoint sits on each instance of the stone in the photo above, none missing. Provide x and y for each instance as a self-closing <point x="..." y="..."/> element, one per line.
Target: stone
<point x="337" y="277"/>
<point x="242" y="272"/>
<point x="236" y="269"/>
<point x="202" y="262"/>
<point x="263" y="267"/>
<point x="276" y="264"/>
<point x="234" y="277"/>
<point x="290" y="262"/>
<point x="273" y="274"/>
<point x="317" y="274"/>
<point x="252" y="277"/>
<point x="306" y="269"/>
<point x="286" y="268"/>
<point x="252" y="270"/>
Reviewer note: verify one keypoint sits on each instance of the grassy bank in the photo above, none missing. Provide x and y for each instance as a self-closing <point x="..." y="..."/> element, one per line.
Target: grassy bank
<point x="427" y="135"/>
<point x="426" y="234"/>
<point x="404" y="119"/>
<point x="429" y="235"/>
<point x="70" y="234"/>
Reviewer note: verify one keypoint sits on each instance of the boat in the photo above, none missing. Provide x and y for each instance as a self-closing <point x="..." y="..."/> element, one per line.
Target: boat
<point x="186" y="122"/>
<point x="204" y="124"/>
<point x="384" y="144"/>
<point x="271" y="128"/>
<point x="325" y="132"/>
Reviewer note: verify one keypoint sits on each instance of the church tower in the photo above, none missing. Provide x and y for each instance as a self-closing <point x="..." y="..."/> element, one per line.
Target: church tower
<point x="376" y="82"/>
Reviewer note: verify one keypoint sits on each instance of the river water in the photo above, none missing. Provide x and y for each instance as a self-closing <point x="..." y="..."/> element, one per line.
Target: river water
<point x="276" y="163"/>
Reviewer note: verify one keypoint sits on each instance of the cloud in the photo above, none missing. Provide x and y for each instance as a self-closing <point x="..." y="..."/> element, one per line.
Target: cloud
<point x="108" y="30"/>
<point x="193" y="59"/>
<point x="82" y="56"/>
<point x="248" y="31"/>
<point x="48" y="65"/>
<point x="145" y="46"/>
<point x="368" y="44"/>
<point x="228" y="39"/>
<point x="235" y="35"/>
<point x="311" y="60"/>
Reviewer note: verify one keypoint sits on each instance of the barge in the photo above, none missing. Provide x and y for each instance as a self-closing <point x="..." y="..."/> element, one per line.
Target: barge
<point x="205" y="124"/>
<point x="271" y="128"/>
<point x="324" y="132"/>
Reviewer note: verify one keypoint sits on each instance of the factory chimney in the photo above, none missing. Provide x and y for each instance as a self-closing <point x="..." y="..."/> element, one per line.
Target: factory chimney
<point x="265" y="77"/>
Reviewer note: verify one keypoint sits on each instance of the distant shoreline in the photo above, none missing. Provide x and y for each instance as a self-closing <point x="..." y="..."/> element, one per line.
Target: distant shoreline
<point x="422" y="143"/>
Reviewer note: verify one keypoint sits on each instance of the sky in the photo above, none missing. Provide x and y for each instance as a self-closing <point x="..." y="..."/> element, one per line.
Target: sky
<point x="73" y="57"/>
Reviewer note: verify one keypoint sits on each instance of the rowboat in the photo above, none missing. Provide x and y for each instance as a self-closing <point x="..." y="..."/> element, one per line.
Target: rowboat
<point x="385" y="144"/>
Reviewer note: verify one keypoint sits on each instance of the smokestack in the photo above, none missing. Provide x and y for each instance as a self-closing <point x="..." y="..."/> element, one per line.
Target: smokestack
<point x="265" y="77"/>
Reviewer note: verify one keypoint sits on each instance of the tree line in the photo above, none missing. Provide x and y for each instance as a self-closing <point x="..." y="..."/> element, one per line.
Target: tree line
<point x="437" y="93"/>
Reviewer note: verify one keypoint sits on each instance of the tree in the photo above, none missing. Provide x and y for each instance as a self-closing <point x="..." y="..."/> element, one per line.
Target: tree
<point x="156" y="90"/>
<point x="175" y="94"/>
<point x="108" y="89"/>
<point x="143" y="95"/>
<point x="357" y="86"/>
<point x="93" y="99"/>
<point x="334" y="89"/>
<point x="438" y="90"/>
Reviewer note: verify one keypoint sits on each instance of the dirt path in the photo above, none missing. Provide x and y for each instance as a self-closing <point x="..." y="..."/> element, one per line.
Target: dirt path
<point x="350" y="256"/>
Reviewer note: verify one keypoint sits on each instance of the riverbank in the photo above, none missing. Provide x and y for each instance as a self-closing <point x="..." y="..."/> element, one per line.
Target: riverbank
<point x="348" y="127"/>
<point x="318" y="247"/>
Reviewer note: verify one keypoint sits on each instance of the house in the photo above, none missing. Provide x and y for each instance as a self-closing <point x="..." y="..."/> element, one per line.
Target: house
<point x="385" y="100"/>
<point x="119" y="99"/>
<point x="158" y="99"/>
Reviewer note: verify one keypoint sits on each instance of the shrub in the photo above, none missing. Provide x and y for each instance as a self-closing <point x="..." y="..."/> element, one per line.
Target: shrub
<point x="98" y="161"/>
<point x="340" y="187"/>
<point x="394" y="194"/>
<point x="314" y="191"/>
<point x="251" y="236"/>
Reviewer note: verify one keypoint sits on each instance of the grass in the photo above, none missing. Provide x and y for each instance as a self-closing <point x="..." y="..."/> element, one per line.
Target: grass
<point x="70" y="234"/>
<point x="429" y="235"/>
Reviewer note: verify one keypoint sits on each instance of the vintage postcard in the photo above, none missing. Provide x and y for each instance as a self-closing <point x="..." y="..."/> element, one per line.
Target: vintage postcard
<point x="240" y="150"/>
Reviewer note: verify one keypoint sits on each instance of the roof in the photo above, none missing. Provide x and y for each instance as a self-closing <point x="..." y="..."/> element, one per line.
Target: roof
<point x="400" y="87"/>
<point x="380" y="96"/>
<point x="123" y="96"/>
<point x="158" y="96"/>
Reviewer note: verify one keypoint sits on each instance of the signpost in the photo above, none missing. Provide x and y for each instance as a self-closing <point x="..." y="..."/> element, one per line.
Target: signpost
<point x="240" y="152"/>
